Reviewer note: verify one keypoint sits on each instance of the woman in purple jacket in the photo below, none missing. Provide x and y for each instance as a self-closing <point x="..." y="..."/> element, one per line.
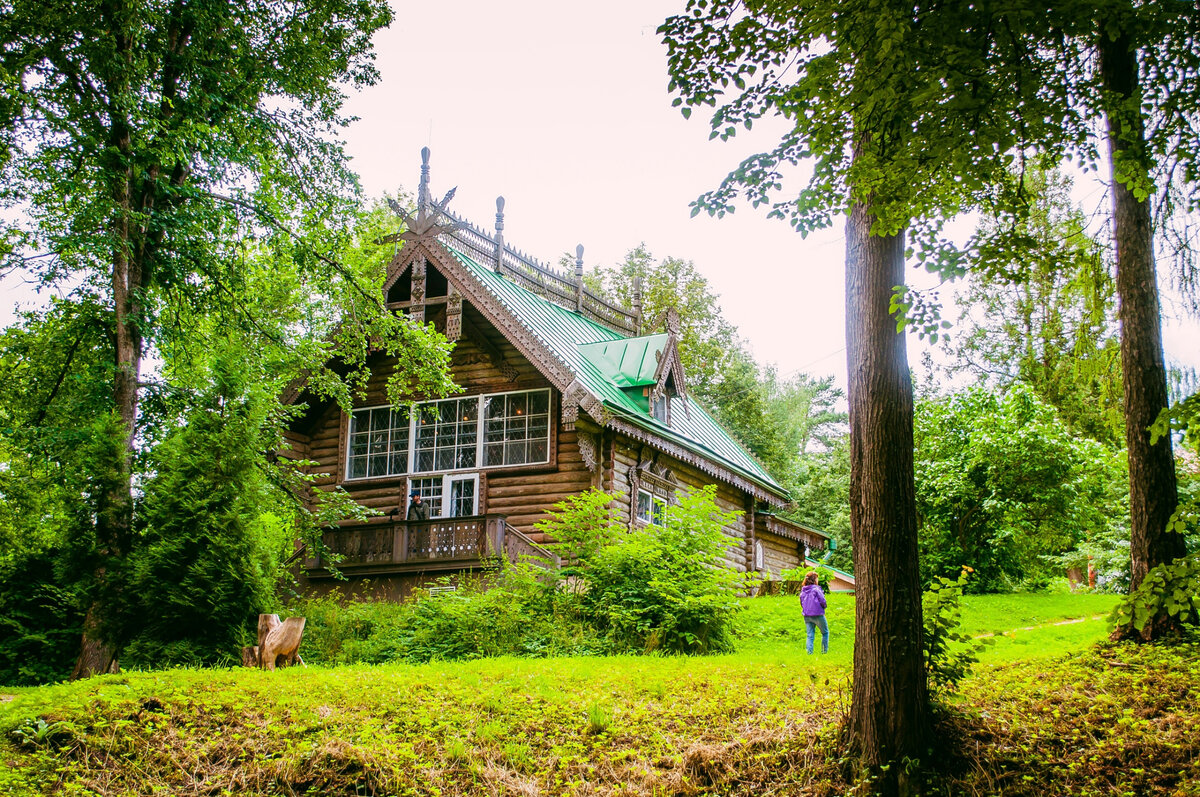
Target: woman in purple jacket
<point x="812" y="601"/>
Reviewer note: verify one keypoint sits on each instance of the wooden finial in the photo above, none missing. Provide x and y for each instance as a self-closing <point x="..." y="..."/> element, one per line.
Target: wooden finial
<point x="499" y="256"/>
<point x="637" y="304"/>
<point x="423" y="190"/>
<point x="673" y="323"/>
<point x="579" y="278"/>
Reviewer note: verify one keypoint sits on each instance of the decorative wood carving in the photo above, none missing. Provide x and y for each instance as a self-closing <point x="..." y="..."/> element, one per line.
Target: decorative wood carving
<point x="416" y="310"/>
<point x="454" y="316"/>
<point x="695" y="460"/>
<point x="589" y="450"/>
<point x="493" y="356"/>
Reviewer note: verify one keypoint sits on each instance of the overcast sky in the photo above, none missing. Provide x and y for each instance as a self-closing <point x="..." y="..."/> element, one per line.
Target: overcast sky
<point x="562" y="108"/>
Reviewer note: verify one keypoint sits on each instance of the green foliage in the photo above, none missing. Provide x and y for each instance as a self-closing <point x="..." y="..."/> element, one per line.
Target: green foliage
<point x="207" y="560"/>
<point x="1003" y="486"/>
<point x="515" y="612"/>
<point x="1168" y="591"/>
<point x="40" y="621"/>
<point x="1040" y="308"/>
<point x="821" y="491"/>
<point x="949" y="652"/>
<point x="580" y="526"/>
<point x="663" y="587"/>
<point x="797" y="574"/>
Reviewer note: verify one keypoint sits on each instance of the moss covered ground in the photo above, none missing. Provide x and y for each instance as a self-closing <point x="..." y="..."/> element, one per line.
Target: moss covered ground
<point x="1048" y="711"/>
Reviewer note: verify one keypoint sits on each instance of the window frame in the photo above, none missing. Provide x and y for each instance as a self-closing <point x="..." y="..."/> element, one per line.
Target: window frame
<point x="657" y="506"/>
<point x="414" y="411"/>
<point x="445" y="495"/>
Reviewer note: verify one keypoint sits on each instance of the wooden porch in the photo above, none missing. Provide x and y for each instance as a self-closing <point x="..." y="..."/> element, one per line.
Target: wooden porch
<point x="388" y="546"/>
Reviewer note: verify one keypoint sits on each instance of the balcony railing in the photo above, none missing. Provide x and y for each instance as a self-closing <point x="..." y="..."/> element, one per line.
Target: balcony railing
<point x="385" y="545"/>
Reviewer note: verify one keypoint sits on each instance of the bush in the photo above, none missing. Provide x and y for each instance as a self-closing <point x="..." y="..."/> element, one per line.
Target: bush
<point x="654" y="589"/>
<point x="797" y="574"/>
<point x="949" y="653"/>
<point x="1168" y="592"/>
<point x="663" y="588"/>
<point x="40" y="621"/>
<point x="514" y="612"/>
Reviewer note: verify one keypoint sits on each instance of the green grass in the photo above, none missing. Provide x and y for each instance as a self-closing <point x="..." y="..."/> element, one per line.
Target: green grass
<point x="1066" y="718"/>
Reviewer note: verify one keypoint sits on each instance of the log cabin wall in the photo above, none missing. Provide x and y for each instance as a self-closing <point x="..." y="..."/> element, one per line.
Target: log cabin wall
<point x="483" y="362"/>
<point x="779" y="553"/>
<point x="625" y="458"/>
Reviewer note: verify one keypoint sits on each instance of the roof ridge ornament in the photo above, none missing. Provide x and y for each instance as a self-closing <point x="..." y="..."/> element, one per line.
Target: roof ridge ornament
<point x="579" y="278"/>
<point x="499" y="258"/>
<point x="424" y="224"/>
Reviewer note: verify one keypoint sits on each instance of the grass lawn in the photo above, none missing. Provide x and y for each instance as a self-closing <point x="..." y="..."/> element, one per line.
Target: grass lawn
<point x="1047" y="713"/>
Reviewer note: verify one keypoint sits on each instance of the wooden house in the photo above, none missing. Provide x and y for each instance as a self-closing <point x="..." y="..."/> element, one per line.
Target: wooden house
<point x="562" y="391"/>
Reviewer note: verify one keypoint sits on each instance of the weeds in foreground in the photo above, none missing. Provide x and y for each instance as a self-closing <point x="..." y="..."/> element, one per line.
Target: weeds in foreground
<point x="1109" y="720"/>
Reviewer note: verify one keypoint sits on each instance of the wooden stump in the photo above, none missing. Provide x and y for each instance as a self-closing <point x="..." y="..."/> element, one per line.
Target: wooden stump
<point x="278" y="643"/>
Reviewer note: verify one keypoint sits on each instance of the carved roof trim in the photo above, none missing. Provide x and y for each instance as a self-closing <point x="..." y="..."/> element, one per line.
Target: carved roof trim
<point x="698" y="461"/>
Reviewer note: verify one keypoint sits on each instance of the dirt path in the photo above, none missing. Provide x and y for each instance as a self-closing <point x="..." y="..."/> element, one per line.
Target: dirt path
<point x="1043" y="625"/>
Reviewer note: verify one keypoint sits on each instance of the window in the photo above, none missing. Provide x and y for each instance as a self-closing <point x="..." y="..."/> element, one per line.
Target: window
<point x="650" y="508"/>
<point x="516" y="428"/>
<point x="659" y="408"/>
<point x="431" y="493"/>
<point x="447" y="432"/>
<point x="448" y="496"/>
<point x="378" y="442"/>
<point x="496" y="430"/>
<point x="758" y="555"/>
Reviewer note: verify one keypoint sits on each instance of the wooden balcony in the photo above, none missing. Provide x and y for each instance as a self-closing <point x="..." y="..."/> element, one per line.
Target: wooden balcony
<point x="382" y="546"/>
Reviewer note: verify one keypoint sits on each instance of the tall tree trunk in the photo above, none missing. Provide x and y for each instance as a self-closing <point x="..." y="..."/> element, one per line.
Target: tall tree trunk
<point x="889" y="714"/>
<point x="1152" y="489"/>
<point x="114" y="516"/>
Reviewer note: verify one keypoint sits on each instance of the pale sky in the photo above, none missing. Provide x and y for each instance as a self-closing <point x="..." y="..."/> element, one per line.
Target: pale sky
<point x="562" y="108"/>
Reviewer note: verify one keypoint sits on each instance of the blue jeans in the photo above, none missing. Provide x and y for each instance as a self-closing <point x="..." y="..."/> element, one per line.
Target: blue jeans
<point x="811" y="623"/>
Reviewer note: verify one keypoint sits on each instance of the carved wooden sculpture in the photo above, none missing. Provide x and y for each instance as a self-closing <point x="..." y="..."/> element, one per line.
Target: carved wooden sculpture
<point x="278" y="643"/>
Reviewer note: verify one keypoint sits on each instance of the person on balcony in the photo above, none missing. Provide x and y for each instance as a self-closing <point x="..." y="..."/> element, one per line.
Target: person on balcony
<point x="418" y="510"/>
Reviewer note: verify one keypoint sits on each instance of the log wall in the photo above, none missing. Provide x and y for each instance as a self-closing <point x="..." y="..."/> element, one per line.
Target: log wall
<point x="521" y="493"/>
<point x="624" y="460"/>
<point x="779" y="554"/>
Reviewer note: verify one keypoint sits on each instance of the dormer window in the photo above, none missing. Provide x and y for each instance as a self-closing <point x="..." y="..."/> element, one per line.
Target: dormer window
<point x="660" y="408"/>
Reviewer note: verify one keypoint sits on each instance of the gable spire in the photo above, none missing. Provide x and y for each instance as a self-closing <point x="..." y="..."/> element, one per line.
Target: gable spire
<point x="424" y="225"/>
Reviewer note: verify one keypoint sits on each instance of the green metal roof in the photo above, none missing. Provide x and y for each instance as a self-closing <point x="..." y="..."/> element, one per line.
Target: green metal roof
<point x="580" y="344"/>
<point x="629" y="362"/>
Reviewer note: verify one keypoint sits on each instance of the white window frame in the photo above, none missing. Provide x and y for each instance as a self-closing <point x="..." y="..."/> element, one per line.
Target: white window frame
<point x="446" y="493"/>
<point x="414" y="411"/>
<point x="657" y="504"/>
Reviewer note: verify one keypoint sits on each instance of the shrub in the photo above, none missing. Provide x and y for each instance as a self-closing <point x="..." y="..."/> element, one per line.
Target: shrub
<point x="949" y="653"/>
<point x="40" y="621"/>
<point x="663" y="588"/>
<point x="797" y="574"/>
<point x="513" y="612"/>
<point x="1169" y="591"/>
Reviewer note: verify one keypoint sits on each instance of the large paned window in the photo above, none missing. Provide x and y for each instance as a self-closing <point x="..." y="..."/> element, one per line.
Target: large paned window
<point x="491" y="431"/>
<point x="447" y="433"/>
<point x="378" y="442"/>
<point x="516" y="428"/>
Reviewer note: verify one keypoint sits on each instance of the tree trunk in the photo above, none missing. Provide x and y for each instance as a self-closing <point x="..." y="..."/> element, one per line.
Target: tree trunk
<point x="889" y="714"/>
<point x="114" y="513"/>
<point x="95" y="657"/>
<point x="1152" y="489"/>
